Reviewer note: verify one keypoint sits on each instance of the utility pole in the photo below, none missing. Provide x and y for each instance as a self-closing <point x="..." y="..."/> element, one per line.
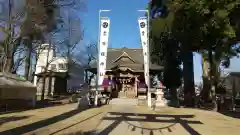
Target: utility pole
<point x="69" y="42"/>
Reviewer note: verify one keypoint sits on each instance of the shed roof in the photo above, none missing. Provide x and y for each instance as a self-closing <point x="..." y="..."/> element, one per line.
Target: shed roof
<point x="8" y="80"/>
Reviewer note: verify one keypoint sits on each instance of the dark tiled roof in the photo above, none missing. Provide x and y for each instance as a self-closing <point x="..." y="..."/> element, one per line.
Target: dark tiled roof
<point x="135" y="54"/>
<point x="236" y="74"/>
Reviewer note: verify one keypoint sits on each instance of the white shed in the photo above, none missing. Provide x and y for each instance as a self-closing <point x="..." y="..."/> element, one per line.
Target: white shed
<point x="16" y="92"/>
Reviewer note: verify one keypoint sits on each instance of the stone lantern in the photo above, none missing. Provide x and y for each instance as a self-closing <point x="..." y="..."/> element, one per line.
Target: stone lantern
<point x="160" y="100"/>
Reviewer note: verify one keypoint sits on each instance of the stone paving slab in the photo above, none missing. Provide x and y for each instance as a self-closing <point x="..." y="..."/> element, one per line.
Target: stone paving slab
<point x="66" y="120"/>
<point x="193" y="122"/>
<point x="116" y="127"/>
<point x="212" y="123"/>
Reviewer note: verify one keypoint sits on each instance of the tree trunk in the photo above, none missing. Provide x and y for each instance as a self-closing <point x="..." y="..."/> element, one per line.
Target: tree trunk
<point x="216" y="82"/>
<point x="9" y="62"/>
<point x="188" y="75"/>
<point x="8" y="45"/>
<point x="28" y="58"/>
<point x="86" y="76"/>
<point x="206" y="78"/>
<point x="174" y="97"/>
<point x="212" y="80"/>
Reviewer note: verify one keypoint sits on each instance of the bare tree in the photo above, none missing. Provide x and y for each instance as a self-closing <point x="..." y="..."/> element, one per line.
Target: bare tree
<point x="10" y="17"/>
<point x="34" y="19"/>
<point x="24" y="17"/>
<point x="52" y="17"/>
<point x="65" y="39"/>
<point x="91" y="53"/>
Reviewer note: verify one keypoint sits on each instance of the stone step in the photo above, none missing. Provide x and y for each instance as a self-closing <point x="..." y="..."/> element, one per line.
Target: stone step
<point x="142" y="97"/>
<point x="142" y="102"/>
<point x="123" y="101"/>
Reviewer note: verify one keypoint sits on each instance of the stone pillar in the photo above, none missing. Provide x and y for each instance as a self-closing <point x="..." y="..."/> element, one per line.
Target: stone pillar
<point x="149" y="99"/>
<point x="46" y="89"/>
<point x="35" y="80"/>
<point x="52" y="86"/>
<point x="135" y="86"/>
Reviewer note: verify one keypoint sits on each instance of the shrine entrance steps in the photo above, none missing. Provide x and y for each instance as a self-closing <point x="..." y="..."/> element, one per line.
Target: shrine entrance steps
<point x="123" y="101"/>
<point x="140" y="101"/>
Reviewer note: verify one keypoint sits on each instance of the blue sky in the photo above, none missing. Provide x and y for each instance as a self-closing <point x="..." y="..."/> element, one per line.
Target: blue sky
<point x="124" y="31"/>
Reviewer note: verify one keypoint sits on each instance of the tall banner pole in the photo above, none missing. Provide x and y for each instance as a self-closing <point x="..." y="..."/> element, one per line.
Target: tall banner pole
<point x="144" y="26"/>
<point x="102" y="52"/>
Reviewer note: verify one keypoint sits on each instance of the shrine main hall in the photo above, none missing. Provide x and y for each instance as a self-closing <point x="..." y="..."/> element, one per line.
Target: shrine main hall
<point x="126" y="67"/>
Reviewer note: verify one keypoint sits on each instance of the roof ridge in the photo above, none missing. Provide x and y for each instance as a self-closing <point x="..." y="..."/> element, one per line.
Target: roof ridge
<point x="134" y="48"/>
<point x="124" y="54"/>
<point x="125" y="48"/>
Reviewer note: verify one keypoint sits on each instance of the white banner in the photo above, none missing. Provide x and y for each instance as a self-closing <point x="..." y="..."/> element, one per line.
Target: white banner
<point x="102" y="50"/>
<point x="143" y="26"/>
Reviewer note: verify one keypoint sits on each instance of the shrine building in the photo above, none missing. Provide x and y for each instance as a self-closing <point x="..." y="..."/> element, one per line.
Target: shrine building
<point x="125" y="66"/>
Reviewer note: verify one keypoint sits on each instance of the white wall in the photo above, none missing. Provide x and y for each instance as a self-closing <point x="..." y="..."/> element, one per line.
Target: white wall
<point x="43" y="56"/>
<point x="57" y="61"/>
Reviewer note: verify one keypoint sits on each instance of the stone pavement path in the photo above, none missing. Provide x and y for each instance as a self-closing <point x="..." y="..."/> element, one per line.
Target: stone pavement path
<point x="118" y="124"/>
<point x="117" y="120"/>
<point x="133" y="120"/>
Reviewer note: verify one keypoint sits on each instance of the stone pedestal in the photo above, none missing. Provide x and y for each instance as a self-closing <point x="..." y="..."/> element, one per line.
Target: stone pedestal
<point x="160" y="101"/>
